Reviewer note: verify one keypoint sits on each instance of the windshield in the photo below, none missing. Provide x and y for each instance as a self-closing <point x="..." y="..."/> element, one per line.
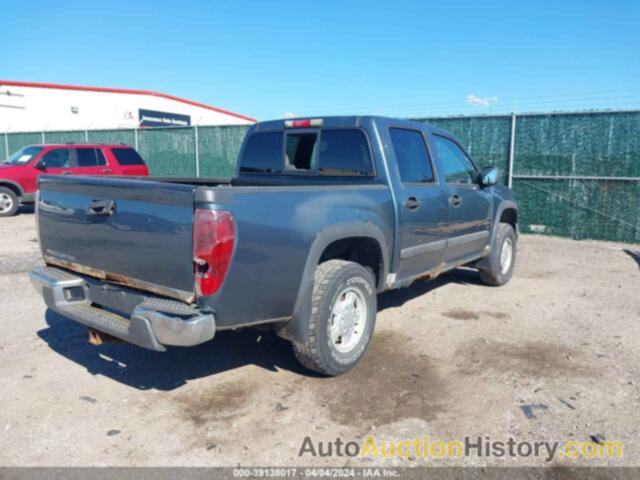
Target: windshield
<point x="23" y="156"/>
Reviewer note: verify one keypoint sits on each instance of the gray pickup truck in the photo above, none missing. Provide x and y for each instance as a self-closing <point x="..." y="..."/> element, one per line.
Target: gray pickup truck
<point x="321" y="215"/>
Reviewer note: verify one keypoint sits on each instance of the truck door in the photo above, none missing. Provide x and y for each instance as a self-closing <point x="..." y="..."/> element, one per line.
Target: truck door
<point x="469" y="207"/>
<point x="422" y="204"/>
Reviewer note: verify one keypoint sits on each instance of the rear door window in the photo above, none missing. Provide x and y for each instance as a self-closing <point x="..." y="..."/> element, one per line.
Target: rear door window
<point x="127" y="156"/>
<point x="89" y="157"/>
<point x="263" y="153"/>
<point x="58" y="158"/>
<point x="412" y="156"/>
<point x="344" y="152"/>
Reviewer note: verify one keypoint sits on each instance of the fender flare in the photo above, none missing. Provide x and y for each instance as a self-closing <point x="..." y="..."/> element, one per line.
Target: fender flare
<point x="296" y="328"/>
<point x="10" y="183"/>
<point x="504" y="205"/>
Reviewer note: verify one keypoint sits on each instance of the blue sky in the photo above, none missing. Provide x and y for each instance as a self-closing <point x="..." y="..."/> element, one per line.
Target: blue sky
<point x="401" y="57"/>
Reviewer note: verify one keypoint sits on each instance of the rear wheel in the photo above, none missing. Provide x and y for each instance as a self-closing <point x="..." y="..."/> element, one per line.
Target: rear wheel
<point x="343" y="313"/>
<point x="8" y="202"/>
<point x="502" y="258"/>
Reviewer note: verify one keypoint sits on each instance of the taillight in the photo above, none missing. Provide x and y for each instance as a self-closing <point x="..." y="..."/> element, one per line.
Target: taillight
<point x="214" y="236"/>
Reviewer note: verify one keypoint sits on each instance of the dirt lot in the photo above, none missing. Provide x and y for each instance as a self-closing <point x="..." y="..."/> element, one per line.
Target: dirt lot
<point x="552" y="356"/>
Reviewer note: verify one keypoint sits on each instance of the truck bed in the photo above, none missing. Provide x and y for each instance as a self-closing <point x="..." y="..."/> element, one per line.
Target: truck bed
<point x="147" y="241"/>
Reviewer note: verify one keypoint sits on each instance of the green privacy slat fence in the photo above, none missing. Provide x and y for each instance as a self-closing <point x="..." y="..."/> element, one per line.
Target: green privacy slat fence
<point x="218" y="148"/>
<point x="580" y="209"/>
<point x="16" y="141"/>
<point x="600" y="144"/>
<point x="597" y="144"/>
<point x="65" y="137"/>
<point x="128" y="137"/>
<point x="169" y="152"/>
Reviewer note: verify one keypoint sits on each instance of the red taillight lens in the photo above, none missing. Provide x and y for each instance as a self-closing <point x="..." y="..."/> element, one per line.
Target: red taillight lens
<point x="214" y="235"/>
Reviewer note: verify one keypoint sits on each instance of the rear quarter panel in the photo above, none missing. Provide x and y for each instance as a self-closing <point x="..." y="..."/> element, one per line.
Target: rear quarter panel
<point x="275" y="229"/>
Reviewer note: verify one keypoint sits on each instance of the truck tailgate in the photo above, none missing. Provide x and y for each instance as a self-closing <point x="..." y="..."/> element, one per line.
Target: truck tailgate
<point x="131" y="232"/>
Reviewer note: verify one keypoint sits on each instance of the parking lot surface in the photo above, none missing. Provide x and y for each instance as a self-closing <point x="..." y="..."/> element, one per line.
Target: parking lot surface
<point x="552" y="356"/>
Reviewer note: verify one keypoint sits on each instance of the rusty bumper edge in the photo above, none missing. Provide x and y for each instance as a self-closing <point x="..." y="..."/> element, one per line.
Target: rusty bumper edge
<point x="118" y="279"/>
<point x="152" y="324"/>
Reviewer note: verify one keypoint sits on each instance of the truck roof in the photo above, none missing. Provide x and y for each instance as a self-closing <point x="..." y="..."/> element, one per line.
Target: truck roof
<point x="351" y="121"/>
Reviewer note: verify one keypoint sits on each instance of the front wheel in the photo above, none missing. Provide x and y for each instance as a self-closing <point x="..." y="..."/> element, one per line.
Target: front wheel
<point x="343" y="315"/>
<point x="8" y="202"/>
<point x="502" y="258"/>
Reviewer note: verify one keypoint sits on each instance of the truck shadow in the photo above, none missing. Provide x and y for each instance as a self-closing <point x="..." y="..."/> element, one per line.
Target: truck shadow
<point x="634" y="254"/>
<point x="145" y="369"/>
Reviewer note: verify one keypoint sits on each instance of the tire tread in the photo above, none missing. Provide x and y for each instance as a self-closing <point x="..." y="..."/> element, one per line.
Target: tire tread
<point x="306" y="352"/>
<point x="492" y="275"/>
<point x="16" y="202"/>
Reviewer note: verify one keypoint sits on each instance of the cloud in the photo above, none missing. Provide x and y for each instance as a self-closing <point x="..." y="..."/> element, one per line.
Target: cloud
<point x="481" y="101"/>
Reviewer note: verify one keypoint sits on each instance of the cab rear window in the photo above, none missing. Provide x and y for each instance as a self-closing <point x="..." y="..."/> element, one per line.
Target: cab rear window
<point x="127" y="156"/>
<point x="330" y="152"/>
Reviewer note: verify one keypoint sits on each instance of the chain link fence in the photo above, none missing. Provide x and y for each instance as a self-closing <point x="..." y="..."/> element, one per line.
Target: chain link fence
<point x="574" y="174"/>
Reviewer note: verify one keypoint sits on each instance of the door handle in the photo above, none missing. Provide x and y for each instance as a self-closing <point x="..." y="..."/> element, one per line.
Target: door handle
<point x="102" y="207"/>
<point x="67" y="173"/>
<point x="106" y="170"/>
<point x="455" y="200"/>
<point x="412" y="203"/>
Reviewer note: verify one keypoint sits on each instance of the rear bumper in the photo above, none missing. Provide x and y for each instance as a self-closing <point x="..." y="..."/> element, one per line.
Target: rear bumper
<point x="151" y="322"/>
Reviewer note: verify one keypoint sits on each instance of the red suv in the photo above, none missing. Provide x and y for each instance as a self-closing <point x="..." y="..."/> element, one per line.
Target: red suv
<point x="19" y="173"/>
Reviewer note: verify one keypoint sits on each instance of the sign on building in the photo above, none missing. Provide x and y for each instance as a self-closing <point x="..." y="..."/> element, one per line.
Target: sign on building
<point x="153" y="118"/>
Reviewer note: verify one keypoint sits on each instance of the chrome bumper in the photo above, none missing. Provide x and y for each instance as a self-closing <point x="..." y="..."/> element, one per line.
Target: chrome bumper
<point x="153" y="323"/>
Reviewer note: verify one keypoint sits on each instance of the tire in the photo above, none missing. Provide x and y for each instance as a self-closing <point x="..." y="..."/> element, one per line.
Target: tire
<point x="338" y="286"/>
<point x="498" y="273"/>
<point x="9" y="202"/>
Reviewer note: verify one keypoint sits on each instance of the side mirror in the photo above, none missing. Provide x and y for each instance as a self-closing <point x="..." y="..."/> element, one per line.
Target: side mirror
<point x="489" y="176"/>
<point x="40" y="165"/>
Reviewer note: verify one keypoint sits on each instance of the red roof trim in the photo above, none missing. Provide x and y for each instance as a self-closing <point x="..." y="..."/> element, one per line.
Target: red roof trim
<point x="124" y="91"/>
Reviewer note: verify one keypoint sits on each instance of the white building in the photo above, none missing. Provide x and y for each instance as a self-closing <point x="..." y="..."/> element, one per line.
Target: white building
<point x="32" y="107"/>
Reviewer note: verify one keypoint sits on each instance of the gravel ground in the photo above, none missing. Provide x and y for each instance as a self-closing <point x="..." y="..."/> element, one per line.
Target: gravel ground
<point x="553" y="356"/>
